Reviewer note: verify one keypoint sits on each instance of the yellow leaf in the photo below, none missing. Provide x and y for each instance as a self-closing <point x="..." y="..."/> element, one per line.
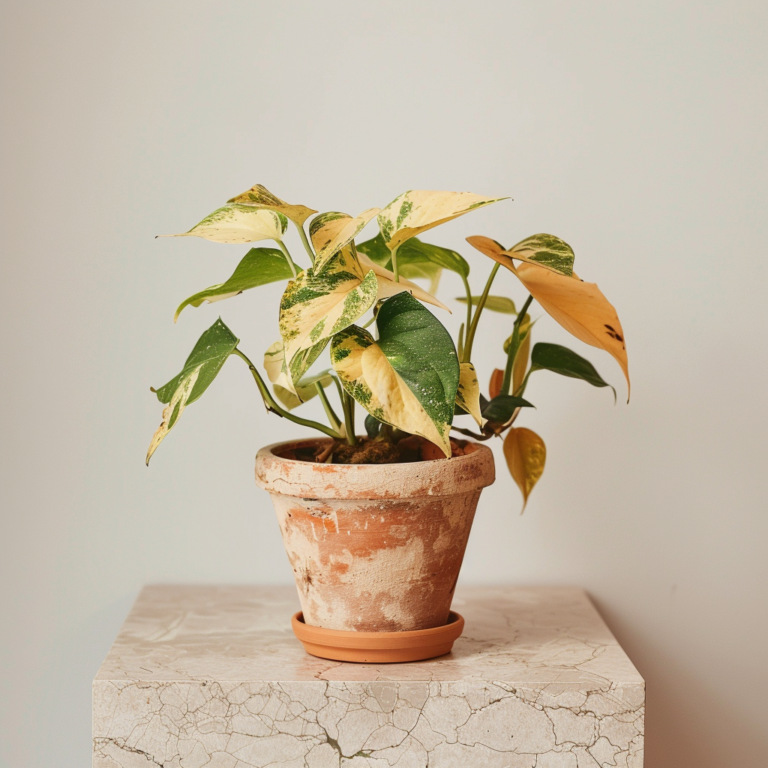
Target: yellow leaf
<point x="238" y="224"/>
<point x="526" y="454"/>
<point x="260" y="197"/>
<point x="468" y="393"/>
<point x="418" y="210"/>
<point x="580" y="307"/>
<point x="330" y="232"/>
<point x="520" y="366"/>
<point x="545" y="251"/>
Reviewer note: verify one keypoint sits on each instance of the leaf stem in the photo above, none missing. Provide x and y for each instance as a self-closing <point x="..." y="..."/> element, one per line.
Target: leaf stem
<point x="480" y="304"/>
<point x="394" y="265"/>
<point x="272" y="405"/>
<point x="307" y="246"/>
<point x="329" y="412"/>
<point x="468" y="291"/>
<point x="288" y="258"/>
<point x="348" y="404"/>
<point x="514" y="346"/>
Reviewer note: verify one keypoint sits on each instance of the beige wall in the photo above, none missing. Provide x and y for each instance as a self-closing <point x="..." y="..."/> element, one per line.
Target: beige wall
<point x="636" y="131"/>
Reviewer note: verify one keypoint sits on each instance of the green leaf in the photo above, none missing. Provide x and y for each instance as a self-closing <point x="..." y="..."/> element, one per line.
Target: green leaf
<point x="238" y="224"/>
<point x="413" y="254"/>
<point x="372" y="426"/>
<point x="259" y="266"/>
<point x="494" y="303"/>
<point x="409" y="377"/>
<point x="501" y="408"/>
<point x="553" y="357"/>
<point x="201" y="368"/>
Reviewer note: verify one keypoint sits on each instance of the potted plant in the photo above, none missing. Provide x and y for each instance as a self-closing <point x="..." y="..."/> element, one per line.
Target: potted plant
<point x="375" y="526"/>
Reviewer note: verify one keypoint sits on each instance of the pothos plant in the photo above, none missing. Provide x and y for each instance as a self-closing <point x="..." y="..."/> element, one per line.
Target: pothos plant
<point x="388" y="352"/>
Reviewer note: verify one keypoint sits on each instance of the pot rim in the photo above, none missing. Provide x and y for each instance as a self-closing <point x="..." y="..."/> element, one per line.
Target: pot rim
<point x="435" y="477"/>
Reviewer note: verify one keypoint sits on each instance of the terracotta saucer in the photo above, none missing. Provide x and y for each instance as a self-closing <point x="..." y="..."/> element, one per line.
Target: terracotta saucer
<point x="378" y="647"/>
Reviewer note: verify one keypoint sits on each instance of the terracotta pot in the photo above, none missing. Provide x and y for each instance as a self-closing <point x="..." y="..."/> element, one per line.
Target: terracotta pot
<point x="375" y="547"/>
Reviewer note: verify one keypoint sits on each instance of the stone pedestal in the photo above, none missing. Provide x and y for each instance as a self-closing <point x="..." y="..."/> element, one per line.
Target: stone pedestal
<point x="212" y="677"/>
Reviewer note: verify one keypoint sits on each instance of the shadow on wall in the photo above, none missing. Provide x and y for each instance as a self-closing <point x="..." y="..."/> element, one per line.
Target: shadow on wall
<point x="688" y="722"/>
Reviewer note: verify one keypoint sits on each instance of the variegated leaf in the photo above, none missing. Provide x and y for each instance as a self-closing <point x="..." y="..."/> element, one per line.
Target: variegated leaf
<point x="520" y="366"/>
<point x="418" y="210"/>
<point x="544" y="250"/>
<point x="501" y="304"/>
<point x="388" y="287"/>
<point x="238" y="224"/>
<point x="278" y="371"/>
<point x="332" y="231"/>
<point x="260" y="197"/>
<point x="200" y="369"/>
<point x="314" y="307"/>
<point x="414" y="254"/>
<point x="259" y="266"/>
<point x="580" y="307"/>
<point x="526" y="455"/>
<point x="468" y="393"/>
<point x="409" y="377"/>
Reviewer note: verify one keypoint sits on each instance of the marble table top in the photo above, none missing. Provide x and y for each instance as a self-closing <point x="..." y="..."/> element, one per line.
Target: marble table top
<point x="520" y="635"/>
<point x="213" y="676"/>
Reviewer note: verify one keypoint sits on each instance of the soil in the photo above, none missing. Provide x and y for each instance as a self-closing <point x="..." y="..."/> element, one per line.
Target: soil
<point x="375" y="451"/>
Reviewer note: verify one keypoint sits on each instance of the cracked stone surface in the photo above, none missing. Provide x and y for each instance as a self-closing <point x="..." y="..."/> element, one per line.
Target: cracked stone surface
<point x="212" y="677"/>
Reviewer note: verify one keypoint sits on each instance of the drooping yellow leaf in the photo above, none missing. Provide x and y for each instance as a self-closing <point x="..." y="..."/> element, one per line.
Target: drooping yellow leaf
<point x="468" y="393"/>
<point x="330" y="232"/>
<point x="260" y="197"/>
<point x="418" y="210"/>
<point x="388" y="287"/>
<point x="543" y="250"/>
<point x="580" y="307"/>
<point x="526" y="455"/>
<point x="367" y="374"/>
<point x="175" y="408"/>
<point x="238" y="224"/>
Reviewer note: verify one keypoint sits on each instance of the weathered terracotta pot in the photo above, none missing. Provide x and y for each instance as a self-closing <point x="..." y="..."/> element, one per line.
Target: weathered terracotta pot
<point x="375" y="547"/>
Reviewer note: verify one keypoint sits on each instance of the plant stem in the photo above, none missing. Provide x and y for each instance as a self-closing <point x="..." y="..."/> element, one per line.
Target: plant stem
<point x="348" y="404"/>
<point x="288" y="258"/>
<point x="480" y="304"/>
<point x="307" y="246"/>
<point x="329" y="412"/>
<point x="394" y="266"/>
<point x="272" y="405"/>
<point x="468" y="291"/>
<point x="514" y="346"/>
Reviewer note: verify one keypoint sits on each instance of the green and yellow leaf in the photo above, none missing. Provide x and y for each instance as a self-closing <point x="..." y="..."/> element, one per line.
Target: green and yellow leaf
<point x="409" y="377"/>
<point x="260" y="197"/>
<point x="580" y="307"/>
<point x="314" y="307"/>
<point x="520" y="366"/>
<point x="288" y="378"/>
<point x="468" y="393"/>
<point x="305" y="388"/>
<point x="332" y="231"/>
<point x="418" y="210"/>
<point x="259" y="266"/>
<point x="543" y="250"/>
<point x="388" y="286"/>
<point x="526" y="455"/>
<point x="200" y="369"/>
<point x="238" y="224"/>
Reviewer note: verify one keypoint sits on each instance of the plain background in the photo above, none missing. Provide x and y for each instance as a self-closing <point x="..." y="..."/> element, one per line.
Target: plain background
<point x="635" y="131"/>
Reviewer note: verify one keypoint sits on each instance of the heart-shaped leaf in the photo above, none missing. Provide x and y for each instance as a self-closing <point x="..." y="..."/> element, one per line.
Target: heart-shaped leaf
<point x="332" y="231"/>
<point x="468" y="393"/>
<point x="501" y="408"/>
<point x="259" y="266"/>
<point x="494" y="303"/>
<point x="260" y="197"/>
<point x="580" y="308"/>
<point x="238" y="224"/>
<point x="543" y="250"/>
<point x="201" y="368"/>
<point x="553" y="357"/>
<point x="409" y="377"/>
<point x="526" y="455"/>
<point x="418" y="210"/>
